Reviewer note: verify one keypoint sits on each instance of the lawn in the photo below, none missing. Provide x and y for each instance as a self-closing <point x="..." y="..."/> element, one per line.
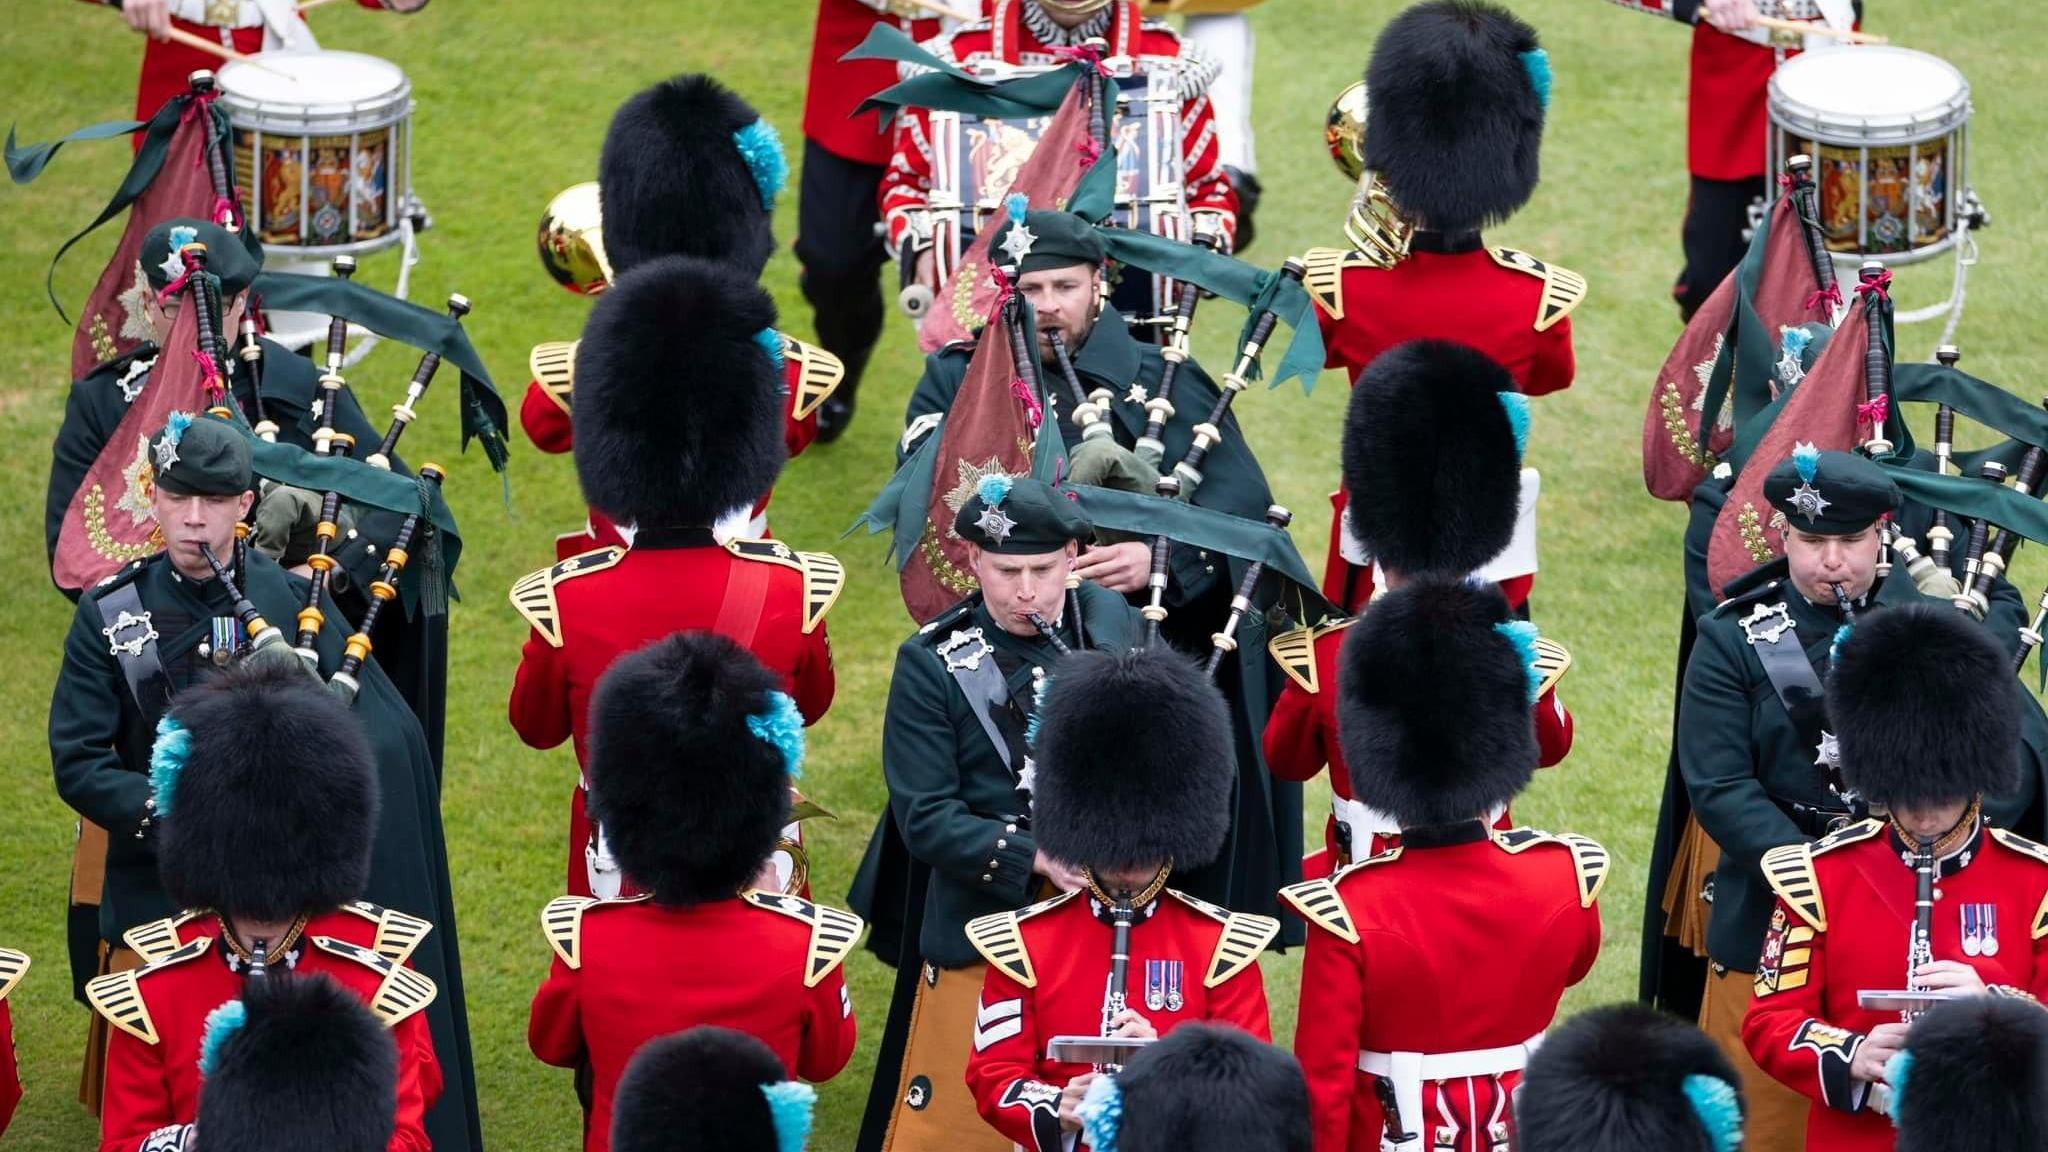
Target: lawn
<point x="513" y="100"/>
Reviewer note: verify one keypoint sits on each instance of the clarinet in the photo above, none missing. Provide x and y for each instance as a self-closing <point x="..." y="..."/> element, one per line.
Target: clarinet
<point x="1066" y="366"/>
<point x="1805" y="200"/>
<point x="402" y="413"/>
<point x="2030" y="635"/>
<point x="1998" y="552"/>
<point x="1241" y="604"/>
<point x="1921" y="951"/>
<point x="382" y="591"/>
<point x="1159" y="409"/>
<point x="331" y="382"/>
<point x="1051" y="634"/>
<point x="1209" y="433"/>
<point x="1877" y="365"/>
<point x="1980" y="528"/>
<point x="322" y="560"/>
<point x="1154" y="612"/>
<point x="1120" y="916"/>
<point x="1939" y="535"/>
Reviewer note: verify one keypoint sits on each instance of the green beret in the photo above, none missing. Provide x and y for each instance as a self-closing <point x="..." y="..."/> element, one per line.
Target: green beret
<point x="1051" y="240"/>
<point x="200" y="456"/>
<point x="226" y="256"/>
<point x="1830" y="493"/>
<point x="1019" y="516"/>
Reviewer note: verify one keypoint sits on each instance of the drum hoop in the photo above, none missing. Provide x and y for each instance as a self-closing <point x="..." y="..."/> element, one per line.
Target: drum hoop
<point x="323" y="119"/>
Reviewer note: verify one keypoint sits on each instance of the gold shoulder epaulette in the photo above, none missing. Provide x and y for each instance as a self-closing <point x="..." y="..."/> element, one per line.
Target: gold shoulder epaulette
<point x="818" y="374"/>
<point x="398" y="934"/>
<point x="1244" y="937"/>
<point x="534" y="594"/>
<point x="562" y="923"/>
<point x="834" y="933"/>
<point x="1562" y="287"/>
<point x="1789" y="870"/>
<point x="999" y="937"/>
<point x="1324" y="277"/>
<point x="1319" y="903"/>
<point x="117" y="996"/>
<point x="158" y="938"/>
<point x="2028" y="848"/>
<point x="554" y="369"/>
<point x="402" y="992"/>
<point x="824" y="577"/>
<point x="13" y="966"/>
<point x="1553" y="660"/>
<point x="1295" y="652"/>
<point x="1589" y="859"/>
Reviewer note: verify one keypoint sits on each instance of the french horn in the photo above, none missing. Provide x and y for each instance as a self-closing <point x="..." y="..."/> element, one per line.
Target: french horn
<point x="571" y="240"/>
<point x="1374" y="224"/>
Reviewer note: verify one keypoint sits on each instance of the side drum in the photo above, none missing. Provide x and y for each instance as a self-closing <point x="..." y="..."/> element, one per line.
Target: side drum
<point x="1888" y="129"/>
<point x="323" y="149"/>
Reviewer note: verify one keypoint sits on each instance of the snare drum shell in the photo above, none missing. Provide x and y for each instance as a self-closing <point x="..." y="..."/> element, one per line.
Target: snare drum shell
<point x="1888" y="130"/>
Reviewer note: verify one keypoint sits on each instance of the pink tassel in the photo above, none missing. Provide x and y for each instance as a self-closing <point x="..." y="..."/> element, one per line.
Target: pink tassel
<point x="1034" y="414"/>
<point x="1879" y="284"/>
<point x="1873" y="412"/>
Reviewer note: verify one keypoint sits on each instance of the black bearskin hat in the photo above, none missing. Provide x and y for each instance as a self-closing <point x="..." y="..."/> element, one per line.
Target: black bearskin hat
<point x="691" y="799"/>
<point x="1454" y="112"/>
<point x="1213" y="1088"/>
<point x="267" y="800"/>
<point x="1925" y="707"/>
<point x="1432" y="458"/>
<point x="1134" y="762"/>
<point x="1433" y="704"/>
<point x="309" y="1067"/>
<point x="1975" y="1078"/>
<point x="678" y="413"/>
<point x="672" y="179"/>
<point x="1625" y="1078"/>
<point x="701" y="1091"/>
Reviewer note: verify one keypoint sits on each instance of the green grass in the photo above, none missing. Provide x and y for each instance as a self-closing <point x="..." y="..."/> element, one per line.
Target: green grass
<point x="514" y="96"/>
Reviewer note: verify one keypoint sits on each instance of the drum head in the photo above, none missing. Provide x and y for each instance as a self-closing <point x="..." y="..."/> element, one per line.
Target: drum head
<point x="318" y="90"/>
<point x="1873" y="94"/>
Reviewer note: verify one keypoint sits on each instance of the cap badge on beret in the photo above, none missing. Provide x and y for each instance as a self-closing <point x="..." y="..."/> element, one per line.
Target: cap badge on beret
<point x="1017" y="245"/>
<point x="167" y="445"/>
<point x="993" y="490"/>
<point x="1806" y="499"/>
<point x="174" y="264"/>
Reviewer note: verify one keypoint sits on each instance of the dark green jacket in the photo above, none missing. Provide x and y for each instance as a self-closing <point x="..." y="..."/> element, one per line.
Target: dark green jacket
<point x="1745" y="761"/>
<point x="956" y="841"/>
<point x="99" y="753"/>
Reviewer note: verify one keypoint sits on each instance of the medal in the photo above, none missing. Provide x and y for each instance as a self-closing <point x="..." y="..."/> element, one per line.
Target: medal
<point x="1989" y="927"/>
<point x="1174" y="1000"/>
<point x="1155" y="985"/>
<point x="1980" y="929"/>
<point x="1972" y="946"/>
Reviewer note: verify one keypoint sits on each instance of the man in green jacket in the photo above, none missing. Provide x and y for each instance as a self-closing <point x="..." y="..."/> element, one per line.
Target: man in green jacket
<point x="956" y="842"/>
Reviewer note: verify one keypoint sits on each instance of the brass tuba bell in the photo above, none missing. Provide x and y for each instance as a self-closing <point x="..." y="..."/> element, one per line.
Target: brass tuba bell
<point x="1374" y="224"/>
<point x="572" y="240"/>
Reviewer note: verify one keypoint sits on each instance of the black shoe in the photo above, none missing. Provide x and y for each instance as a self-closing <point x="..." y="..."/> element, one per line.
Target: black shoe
<point x="1247" y="188"/>
<point x="835" y="414"/>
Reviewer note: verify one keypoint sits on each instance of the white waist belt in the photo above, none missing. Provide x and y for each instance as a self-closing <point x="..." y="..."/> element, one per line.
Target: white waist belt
<point x="283" y="30"/>
<point x="1409" y="1071"/>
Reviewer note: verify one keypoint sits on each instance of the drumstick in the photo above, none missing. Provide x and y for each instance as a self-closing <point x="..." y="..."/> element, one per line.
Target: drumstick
<point x="313" y="4"/>
<point x="1797" y="27"/>
<point x="180" y="36"/>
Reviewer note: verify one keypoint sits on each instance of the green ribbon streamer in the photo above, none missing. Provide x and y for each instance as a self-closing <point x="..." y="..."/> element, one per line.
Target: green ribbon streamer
<point x="901" y="506"/>
<point x="1973" y="497"/>
<point x="1192" y="526"/>
<point x="1980" y="400"/>
<point x="948" y="88"/>
<point x="483" y="411"/>
<point x="1234" y="280"/>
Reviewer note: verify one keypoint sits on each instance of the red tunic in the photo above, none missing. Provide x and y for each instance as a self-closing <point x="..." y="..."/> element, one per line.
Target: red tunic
<point x="627" y="971"/>
<point x="590" y="609"/>
<point x="1505" y="303"/>
<point x="1406" y="958"/>
<point x="13" y="966"/>
<point x="1003" y="37"/>
<point x="1301" y="735"/>
<point x="1047" y="976"/>
<point x="1844" y="924"/>
<point x="159" y="1011"/>
<point x="835" y="89"/>
<point x="810" y="374"/>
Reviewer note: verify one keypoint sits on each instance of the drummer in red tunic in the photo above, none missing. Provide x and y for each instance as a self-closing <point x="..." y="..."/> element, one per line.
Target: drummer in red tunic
<point x="244" y="26"/>
<point x="1131" y="781"/>
<point x="688" y="169"/>
<point x="1727" y="123"/>
<point x="1433" y="968"/>
<point x="1434" y="434"/>
<point x="844" y="158"/>
<point x="1034" y="33"/>
<point x="1927" y="715"/>
<point x="694" y="749"/>
<point x="1454" y="120"/>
